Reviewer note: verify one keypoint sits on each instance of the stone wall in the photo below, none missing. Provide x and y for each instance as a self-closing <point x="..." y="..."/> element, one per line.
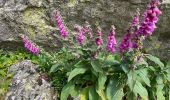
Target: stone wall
<point x="32" y="17"/>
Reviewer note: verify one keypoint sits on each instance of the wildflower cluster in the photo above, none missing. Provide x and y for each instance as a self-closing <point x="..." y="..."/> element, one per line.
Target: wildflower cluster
<point x="60" y="24"/>
<point x="99" y="41"/>
<point x="111" y="42"/>
<point x="29" y="45"/>
<point x="150" y="19"/>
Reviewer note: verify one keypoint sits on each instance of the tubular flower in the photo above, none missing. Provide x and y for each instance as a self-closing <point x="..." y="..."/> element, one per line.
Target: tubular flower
<point x="29" y="45"/>
<point x="135" y="21"/>
<point x="111" y="42"/>
<point x="151" y="15"/>
<point x="126" y="43"/>
<point x="80" y="37"/>
<point x="60" y="24"/>
<point x="99" y="41"/>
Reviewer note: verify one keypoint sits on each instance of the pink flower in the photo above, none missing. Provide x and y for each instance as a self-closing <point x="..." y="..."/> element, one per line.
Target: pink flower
<point x="29" y="45"/>
<point x="111" y="41"/>
<point x="80" y="37"/>
<point x="151" y="15"/>
<point x="99" y="41"/>
<point x="60" y="25"/>
<point x="126" y="43"/>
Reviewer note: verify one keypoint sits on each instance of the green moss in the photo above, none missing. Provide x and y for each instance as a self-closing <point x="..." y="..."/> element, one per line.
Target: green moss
<point x="34" y="18"/>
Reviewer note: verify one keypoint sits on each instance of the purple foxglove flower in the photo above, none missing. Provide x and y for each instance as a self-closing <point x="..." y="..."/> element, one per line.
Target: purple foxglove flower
<point x="135" y="21"/>
<point x="80" y="37"/>
<point x="111" y="41"/>
<point x="63" y="31"/>
<point x="151" y="15"/>
<point x="99" y="41"/>
<point x="126" y="43"/>
<point x="29" y="45"/>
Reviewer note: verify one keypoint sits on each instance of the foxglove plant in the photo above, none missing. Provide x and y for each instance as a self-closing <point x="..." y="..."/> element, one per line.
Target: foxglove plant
<point x="60" y="24"/>
<point x="99" y="40"/>
<point x="80" y="36"/>
<point x="126" y="43"/>
<point x="111" y="40"/>
<point x="29" y="45"/>
<point x="129" y="39"/>
<point x="150" y="19"/>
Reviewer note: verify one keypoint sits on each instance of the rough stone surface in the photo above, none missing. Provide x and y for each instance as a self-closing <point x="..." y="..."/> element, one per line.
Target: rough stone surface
<point x="28" y="84"/>
<point x="32" y="17"/>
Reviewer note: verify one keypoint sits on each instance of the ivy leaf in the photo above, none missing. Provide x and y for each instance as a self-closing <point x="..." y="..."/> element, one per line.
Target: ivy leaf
<point x="97" y="66"/>
<point x="76" y="72"/>
<point x="93" y="94"/>
<point x="155" y="60"/>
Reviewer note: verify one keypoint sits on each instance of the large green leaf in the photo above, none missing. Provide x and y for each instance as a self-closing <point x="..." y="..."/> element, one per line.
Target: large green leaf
<point x="143" y="74"/>
<point x="83" y="63"/>
<point x="139" y="89"/>
<point x="114" y="90"/>
<point x="119" y="95"/>
<point x="101" y="81"/>
<point x="84" y="94"/>
<point x="93" y="94"/>
<point x="125" y="68"/>
<point x="131" y="79"/>
<point x="68" y="89"/>
<point x="155" y="60"/>
<point x="97" y="65"/>
<point x="55" y="67"/>
<point x="76" y="72"/>
<point x="101" y="86"/>
<point x="159" y="88"/>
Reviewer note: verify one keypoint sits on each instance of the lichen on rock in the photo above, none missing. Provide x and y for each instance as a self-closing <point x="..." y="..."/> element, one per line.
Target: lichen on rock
<point x="27" y="83"/>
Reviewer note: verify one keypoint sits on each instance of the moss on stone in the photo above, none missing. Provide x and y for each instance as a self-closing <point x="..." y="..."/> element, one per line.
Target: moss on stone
<point x="33" y="17"/>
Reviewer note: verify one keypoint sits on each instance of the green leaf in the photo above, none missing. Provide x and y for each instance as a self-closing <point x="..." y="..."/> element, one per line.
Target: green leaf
<point x="155" y="60"/>
<point x="159" y="88"/>
<point x="55" y="67"/>
<point x="119" y="95"/>
<point x="101" y="86"/>
<point x="169" y="94"/>
<point x="76" y="72"/>
<point x="96" y="64"/>
<point x="125" y="67"/>
<point x="68" y="89"/>
<point x="84" y="94"/>
<point x="101" y="81"/>
<point x="111" y="60"/>
<point x="143" y="74"/>
<point x="131" y="79"/>
<point x="82" y="63"/>
<point x="114" y="90"/>
<point x="138" y="88"/>
<point x="93" y="94"/>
